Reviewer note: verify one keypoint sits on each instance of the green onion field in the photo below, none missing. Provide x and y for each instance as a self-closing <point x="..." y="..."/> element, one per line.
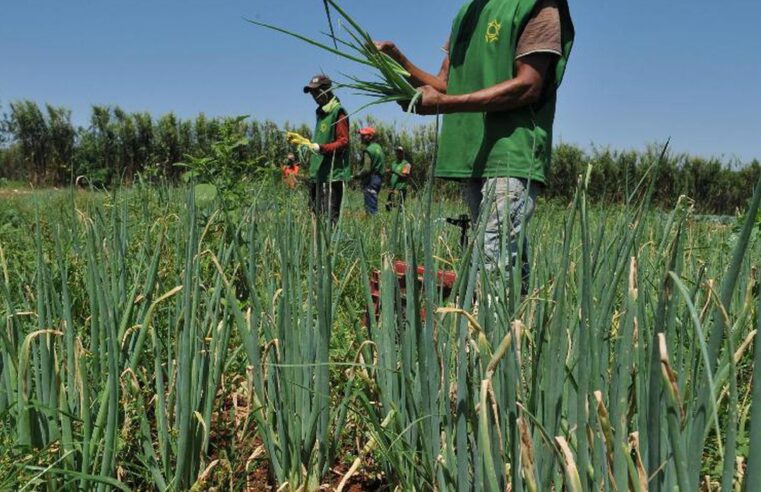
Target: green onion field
<point x="150" y="340"/>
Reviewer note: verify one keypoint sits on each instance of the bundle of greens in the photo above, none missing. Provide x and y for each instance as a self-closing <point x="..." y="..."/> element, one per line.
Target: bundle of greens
<point x="391" y="83"/>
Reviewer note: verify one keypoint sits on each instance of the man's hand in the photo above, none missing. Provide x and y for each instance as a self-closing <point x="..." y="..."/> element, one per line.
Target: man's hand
<point x="430" y="102"/>
<point x="390" y="49"/>
<point x="301" y="141"/>
<point x="417" y="77"/>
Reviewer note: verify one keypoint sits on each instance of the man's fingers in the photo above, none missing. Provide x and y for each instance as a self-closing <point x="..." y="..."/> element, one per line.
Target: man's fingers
<point x="386" y="47"/>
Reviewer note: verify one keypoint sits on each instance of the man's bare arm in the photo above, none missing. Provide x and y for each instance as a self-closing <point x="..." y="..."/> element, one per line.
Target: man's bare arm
<point x="418" y="76"/>
<point x="524" y="89"/>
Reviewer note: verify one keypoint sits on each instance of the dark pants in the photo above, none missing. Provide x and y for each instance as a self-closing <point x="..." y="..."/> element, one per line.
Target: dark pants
<point x="371" y="187"/>
<point x="395" y="198"/>
<point x="327" y="197"/>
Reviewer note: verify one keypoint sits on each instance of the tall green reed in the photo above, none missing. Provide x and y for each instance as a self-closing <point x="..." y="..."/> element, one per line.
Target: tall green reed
<point x="391" y="83"/>
<point x="125" y="327"/>
<point x="91" y="356"/>
<point x="591" y="382"/>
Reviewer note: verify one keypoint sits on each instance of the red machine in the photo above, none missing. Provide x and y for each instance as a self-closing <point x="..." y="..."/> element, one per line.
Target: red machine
<point x="445" y="279"/>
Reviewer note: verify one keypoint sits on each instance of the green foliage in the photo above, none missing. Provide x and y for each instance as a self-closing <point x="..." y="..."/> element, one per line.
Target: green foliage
<point x="43" y="148"/>
<point x="743" y="220"/>
<point x="206" y="195"/>
<point x="170" y="342"/>
<point x="29" y="128"/>
<point x="716" y="187"/>
<point x="223" y="171"/>
<point x="4" y="128"/>
<point x="61" y="138"/>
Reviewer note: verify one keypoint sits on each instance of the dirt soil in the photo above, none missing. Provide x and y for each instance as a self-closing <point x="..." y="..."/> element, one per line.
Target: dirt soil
<point x="259" y="480"/>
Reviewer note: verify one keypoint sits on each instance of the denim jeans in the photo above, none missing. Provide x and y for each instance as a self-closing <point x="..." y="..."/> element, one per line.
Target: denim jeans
<point x="511" y="202"/>
<point x="371" y="188"/>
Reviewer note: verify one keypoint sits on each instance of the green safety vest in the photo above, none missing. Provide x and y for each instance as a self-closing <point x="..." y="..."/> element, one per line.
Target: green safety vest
<point x="398" y="178"/>
<point x="515" y="143"/>
<point x="325" y="132"/>
<point x="377" y="158"/>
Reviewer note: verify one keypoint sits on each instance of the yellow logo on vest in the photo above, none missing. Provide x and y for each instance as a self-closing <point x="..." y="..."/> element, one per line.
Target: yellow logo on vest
<point x="324" y="127"/>
<point x="493" y="31"/>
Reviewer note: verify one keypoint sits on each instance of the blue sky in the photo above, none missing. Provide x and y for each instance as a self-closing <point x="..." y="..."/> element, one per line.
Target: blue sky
<point x="640" y="72"/>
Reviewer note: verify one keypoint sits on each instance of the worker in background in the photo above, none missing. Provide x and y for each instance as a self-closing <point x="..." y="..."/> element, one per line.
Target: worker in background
<point x="291" y="169"/>
<point x="400" y="171"/>
<point x="373" y="165"/>
<point x="329" y="165"/>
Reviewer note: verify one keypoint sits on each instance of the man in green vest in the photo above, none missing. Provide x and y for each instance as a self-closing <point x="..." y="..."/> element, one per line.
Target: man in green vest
<point x="373" y="164"/>
<point x="400" y="171"/>
<point x="497" y="89"/>
<point x="329" y="166"/>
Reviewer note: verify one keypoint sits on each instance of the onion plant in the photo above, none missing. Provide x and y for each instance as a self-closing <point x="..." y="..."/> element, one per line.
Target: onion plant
<point x="611" y="375"/>
<point x="130" y="326"/>
<point x="147" y="359"/>
<point x="391" y="82"/>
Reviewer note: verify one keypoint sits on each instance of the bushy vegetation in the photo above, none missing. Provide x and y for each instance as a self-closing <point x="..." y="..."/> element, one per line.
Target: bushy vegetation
<point x="41" y="146"/>
<point x="148" y="344"/>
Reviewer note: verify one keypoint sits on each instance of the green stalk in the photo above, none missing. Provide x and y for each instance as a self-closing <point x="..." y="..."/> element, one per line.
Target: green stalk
<point x="330" y="23"/>
<point x="622" y="378"/>
<point x="662" y="324"/>
<point x="558" y="347"/>
<point x="86" y="417"/>
<point x="753" y="471"/>
<point x="484" y="436"/>
<point x="325" y="47"/>
<point x="674" y="415"/>
<point x="730" y="447"/>
<point x="585" y="341"/>
<point x="392" y="85"/>
<point x="184" y="412"/>
<point x="698" y="434"/>
<point x="84" y="477"/>
<point x="69" y="327"/>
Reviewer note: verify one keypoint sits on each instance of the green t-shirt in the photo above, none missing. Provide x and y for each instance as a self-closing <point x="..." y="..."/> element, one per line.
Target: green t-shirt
<point x="513" y="143"/>
<point x="400" y="172"/>
<point x="320" y="165"/>
<point x="374" y="152"/>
